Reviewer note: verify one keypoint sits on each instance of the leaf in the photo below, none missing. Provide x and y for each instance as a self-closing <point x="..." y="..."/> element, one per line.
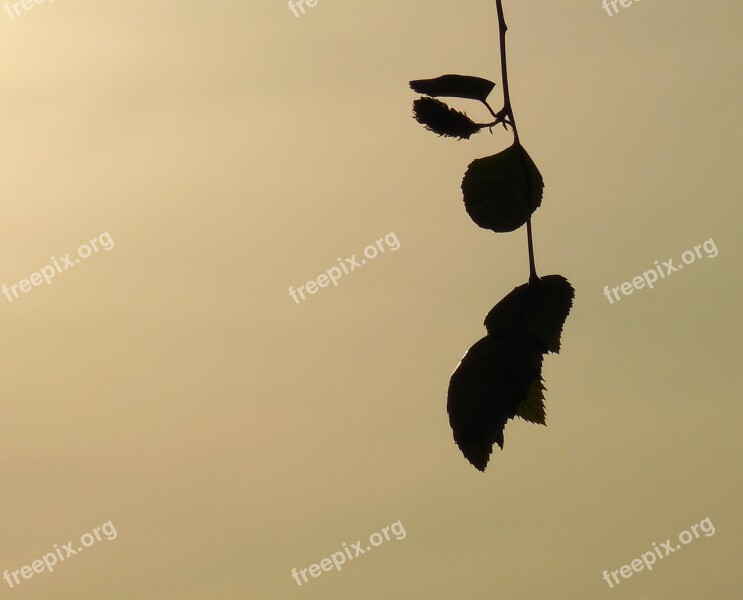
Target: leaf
<point x="441" y="119"/>
<point x="494" y="378"/>
<point x="540" y="307"/>
<point x="502" y="191"/>
<point x="455" y="86"/>
<point x="532" y="409"/>
<point x="500" y="377"/>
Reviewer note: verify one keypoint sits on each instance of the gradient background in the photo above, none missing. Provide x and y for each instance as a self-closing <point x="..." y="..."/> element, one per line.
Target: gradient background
<point x="231" y="150"/>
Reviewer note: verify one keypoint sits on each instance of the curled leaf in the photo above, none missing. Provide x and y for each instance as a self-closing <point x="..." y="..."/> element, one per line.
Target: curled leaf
<point x="441" y="119"/>
<point x="454" y="86"/>
<point x="502" y="191"/>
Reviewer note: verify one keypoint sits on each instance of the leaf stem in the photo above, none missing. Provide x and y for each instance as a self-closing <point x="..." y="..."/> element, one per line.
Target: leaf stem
<point x="504" y="69"/>
<point x="508" y="111"/>
<point x="532" y="268"/>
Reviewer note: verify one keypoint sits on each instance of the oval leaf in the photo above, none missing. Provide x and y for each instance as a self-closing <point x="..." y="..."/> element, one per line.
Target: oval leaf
<point x="502" y="191"/>
<point x="454" y="86"/>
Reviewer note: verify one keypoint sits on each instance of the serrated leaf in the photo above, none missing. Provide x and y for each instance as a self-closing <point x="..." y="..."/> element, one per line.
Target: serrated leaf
<point x="502" y="191"/>
<point x="497" y="375"/>
<point x="454" y="86"/>
<point x="532" y="409"/>
<point x="441" y="119"/>
<point x="540" y="307"/>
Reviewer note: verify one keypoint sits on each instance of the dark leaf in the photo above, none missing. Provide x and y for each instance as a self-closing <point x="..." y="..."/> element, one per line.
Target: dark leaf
<point x="493" y="379"/>
<point x="500" y="377"/>
<point x="441" y="119"/>
<point x="502" y="191"/>
<point x="455" y="86"/>
<point x="540" y="307"/>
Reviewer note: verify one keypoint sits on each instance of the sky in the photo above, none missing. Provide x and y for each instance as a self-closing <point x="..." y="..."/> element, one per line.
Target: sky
<point x="176" y="170"/>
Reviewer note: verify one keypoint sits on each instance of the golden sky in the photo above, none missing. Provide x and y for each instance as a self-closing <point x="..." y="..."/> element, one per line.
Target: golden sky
<point x="171" y="386"/>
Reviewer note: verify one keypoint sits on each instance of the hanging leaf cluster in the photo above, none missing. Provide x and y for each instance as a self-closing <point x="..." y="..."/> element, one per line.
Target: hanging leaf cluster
<point x="500" y="376"/>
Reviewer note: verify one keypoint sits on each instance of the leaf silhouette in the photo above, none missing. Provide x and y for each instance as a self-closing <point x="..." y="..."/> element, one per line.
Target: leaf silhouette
<point x="500" y="377"/>
<point x="454" y="86"/>
<point x="539" y="307"/>
<point x="496" y="376"/>
<point x="441" y="119"/>
<point x="502" y="191"/>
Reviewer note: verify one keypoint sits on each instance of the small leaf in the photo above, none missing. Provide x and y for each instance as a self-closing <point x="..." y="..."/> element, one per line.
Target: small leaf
<point x="454" y="86"/>
<point x="532" y="409"/>
<point x="502" y="191"/>
<point x="441" y="119"/>
<point x="540" y="307"/>
<point x="493" y="379"/>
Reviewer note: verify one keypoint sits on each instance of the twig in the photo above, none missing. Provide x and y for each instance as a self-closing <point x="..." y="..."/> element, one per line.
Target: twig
<point x="508" y="111"/>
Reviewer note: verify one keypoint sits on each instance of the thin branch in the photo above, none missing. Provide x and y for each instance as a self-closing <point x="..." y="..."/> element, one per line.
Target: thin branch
<point x="504" y="68"/>
<point x="532" y="268"/>
<point x="508" y="111"/>
<point x="492" y="112"/>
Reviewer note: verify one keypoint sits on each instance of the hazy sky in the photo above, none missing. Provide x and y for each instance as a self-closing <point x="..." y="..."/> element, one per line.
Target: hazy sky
<point x="170" y="384"/>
